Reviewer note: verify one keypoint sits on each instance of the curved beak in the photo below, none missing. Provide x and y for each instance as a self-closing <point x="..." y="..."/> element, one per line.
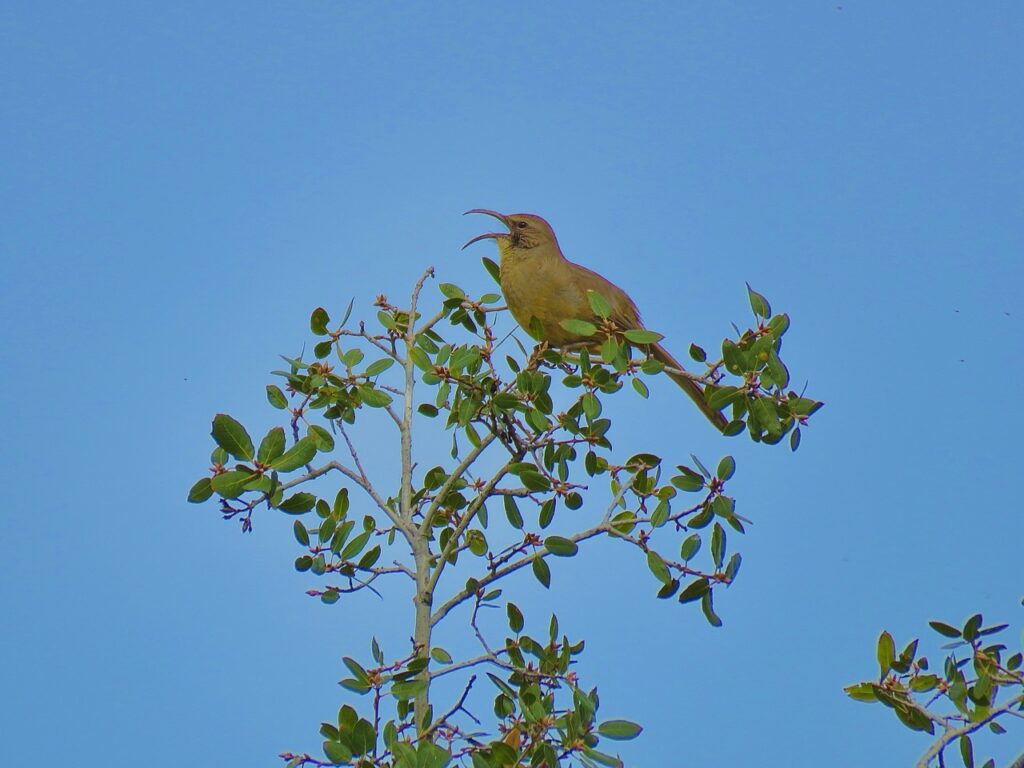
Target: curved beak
<point x="490" y="235"/>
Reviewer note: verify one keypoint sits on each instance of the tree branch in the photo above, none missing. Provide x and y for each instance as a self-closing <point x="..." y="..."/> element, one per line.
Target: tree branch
<point x="460" y="597"/>
<point x="455" y="475"/>
<point x="952" y="734"/>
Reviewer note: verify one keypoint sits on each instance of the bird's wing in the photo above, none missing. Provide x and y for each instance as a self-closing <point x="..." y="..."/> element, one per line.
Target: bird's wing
<point x="624" y="311"/>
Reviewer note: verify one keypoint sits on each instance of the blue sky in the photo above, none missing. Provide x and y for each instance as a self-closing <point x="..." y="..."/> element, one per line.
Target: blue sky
<point x="184" y="182"/>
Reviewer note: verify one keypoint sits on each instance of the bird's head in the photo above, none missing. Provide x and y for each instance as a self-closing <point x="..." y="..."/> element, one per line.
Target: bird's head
<point x="525" y="230"/>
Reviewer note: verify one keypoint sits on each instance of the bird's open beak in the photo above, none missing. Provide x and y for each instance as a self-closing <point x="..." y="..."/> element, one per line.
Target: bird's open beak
<point x="490" y="235"/>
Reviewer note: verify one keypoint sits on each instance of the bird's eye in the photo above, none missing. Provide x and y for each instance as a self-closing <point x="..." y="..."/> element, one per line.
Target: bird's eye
<point x="521" y="224"/>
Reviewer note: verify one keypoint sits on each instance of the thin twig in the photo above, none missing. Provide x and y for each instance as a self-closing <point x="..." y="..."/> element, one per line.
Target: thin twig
<point x="458" y="705"/>
<point x="460" y="597"/>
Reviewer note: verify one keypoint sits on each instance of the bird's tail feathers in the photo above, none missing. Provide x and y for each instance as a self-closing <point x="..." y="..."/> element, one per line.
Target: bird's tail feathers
<point x="688" y="385"/>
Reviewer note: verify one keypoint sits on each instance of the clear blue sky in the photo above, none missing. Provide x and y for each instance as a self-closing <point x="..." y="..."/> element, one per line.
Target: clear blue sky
<point x="183" y="182"/>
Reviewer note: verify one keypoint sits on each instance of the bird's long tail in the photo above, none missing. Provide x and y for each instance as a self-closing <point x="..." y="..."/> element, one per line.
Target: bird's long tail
<point x="688" y="385"/>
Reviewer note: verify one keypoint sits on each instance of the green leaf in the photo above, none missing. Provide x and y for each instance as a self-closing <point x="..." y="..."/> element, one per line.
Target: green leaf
<point x="610" y="350"/>
<point x="698" y="353"/>
<point x="352" y="358"/>
<point x="726" y="468"/>
<point x="502" y="685"/>
<point x="944" y="629"/>
<point x="298" y="504"/>
<point x="512" y="512"/>
<point x="440" y="655"/>
<point x="695" y="590"/>
<point x="718" y="545"/>
<point x="690" y="546"/>
<point x="599" y="304"/>
<point x="350" y="683"/>
<point x="861" y="692"/>
<point x="375" y="398"/>
<point x="535" y="481"/>
<point x="355" y="546"/>
<point x="708" y="608"/>
<point x="492" y="269"/>
<point x="476" y="542"/>
<point x="778" y="371"/>
<point x="560" y="546"/>
<point x="700" y="466"/>
<point x="452" y="291"/>
<point x="337" y="752"/>
<point x="341" y="502"/>
<point x="732" y="355"/>
<point x="232" y="437"/>
<point x="231" y="484"/>
<point x="924" y="683"/>
<point x="602" y="758"/>
<point x="298" y="455"/>
<point x="420" y="359"/>
<point x="620" y="730"/>
<point x="355" y="668"/>
<point x="723" y="396"/>
<point x="542" y="572"/>
<point x="779" y="325"/>
<point x="318" y="321"/>
<point x="660" y="515"/>
<point x="640" y="387"/>
<point x="201" y="491"/>
<point x="378" y="367"/>
<point x="967" y="751"/>
<point x="758" y="303"/>
<point x="970" y="630"/>
<point x="658" y="567"/>
<point x="301" y="534"/>
<point x="323" y="439"/>
<point x="668" y="589"/>
<point x="276" y="397"/>
<point x="430" y="755"/>
<point x="579" y="327"/>
<point x="515" y="618"/>
<point x="547" y="513"/>
<point x="652" y="367"/>
<point x="703" y="517"/>
<point x="688" y="482"/>
<point x="886" y="652"/>
<point x="642" y="336"/>
<point x="271" y="446"/>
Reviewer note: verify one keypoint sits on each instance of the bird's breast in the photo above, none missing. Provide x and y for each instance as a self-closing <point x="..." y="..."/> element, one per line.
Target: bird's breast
<point x="541" y="287"/>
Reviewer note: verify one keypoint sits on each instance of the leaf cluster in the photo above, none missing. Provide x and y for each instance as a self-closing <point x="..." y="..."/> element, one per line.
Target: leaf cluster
<point x="980" y="685"/>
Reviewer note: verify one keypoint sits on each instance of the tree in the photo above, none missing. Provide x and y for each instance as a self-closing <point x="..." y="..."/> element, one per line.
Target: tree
<point x="525" y="446"/>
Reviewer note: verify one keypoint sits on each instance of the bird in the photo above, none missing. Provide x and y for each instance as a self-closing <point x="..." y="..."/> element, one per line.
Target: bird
<point x="542" y="288"/>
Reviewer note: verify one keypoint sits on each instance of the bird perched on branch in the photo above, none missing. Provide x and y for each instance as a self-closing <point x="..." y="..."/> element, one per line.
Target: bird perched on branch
<point x="543" y="288"/>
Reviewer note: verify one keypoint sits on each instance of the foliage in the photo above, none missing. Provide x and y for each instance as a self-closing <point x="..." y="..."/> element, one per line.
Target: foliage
<point x="980" y="685"/>
<point x="528" y="440"/>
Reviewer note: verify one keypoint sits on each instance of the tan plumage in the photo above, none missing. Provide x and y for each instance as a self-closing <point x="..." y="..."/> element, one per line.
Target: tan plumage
<point x="539" y="282"/>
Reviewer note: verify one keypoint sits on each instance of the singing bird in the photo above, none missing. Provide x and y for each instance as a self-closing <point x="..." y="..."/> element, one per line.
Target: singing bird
<point x="539" y="282"/>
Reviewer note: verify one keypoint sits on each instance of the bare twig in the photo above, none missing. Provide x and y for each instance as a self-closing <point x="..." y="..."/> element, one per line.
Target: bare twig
<point x="459" y="705"/>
